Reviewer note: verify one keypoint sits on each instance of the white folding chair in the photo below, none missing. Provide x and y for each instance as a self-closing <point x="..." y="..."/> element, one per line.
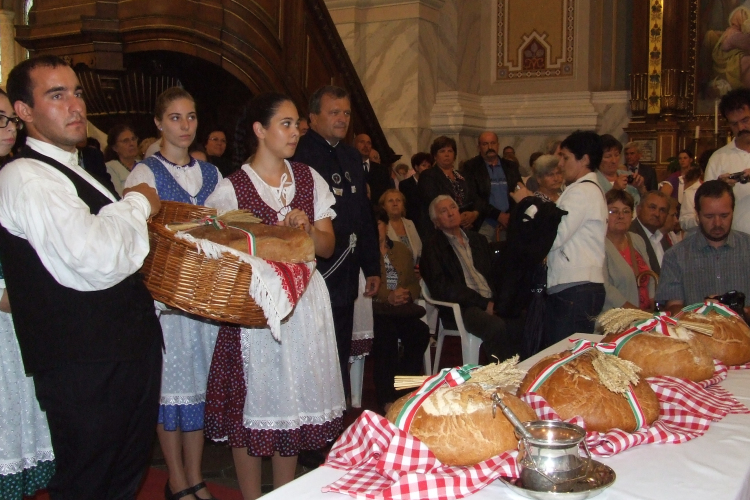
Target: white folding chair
<point x="469" y="343"/>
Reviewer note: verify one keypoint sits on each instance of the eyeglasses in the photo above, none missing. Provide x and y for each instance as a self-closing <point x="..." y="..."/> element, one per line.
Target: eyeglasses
<point x="217" y="139"/>
<point x="5" y="120"/>
<point x="625" y="213"/>
<point x="127" y="140"/>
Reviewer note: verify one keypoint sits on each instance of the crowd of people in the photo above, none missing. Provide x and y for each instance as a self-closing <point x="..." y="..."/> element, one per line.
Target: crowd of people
<point x="96" y="366"/>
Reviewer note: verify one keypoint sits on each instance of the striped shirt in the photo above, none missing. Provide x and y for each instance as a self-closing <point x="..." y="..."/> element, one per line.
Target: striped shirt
<point x="693" y="269"/>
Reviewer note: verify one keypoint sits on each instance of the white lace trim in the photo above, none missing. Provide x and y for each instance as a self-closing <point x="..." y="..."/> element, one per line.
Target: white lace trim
<point x="327" y="214"/>
<point x="180" y="400"/>
<point x="292" y="423"/>
<point x="352" y="359"/>
<point x="364" y="335"/>
<point x="16" y="466"/>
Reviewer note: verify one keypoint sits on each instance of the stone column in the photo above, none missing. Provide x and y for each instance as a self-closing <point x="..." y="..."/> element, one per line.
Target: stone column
<point x="393" y="46"/>
<point x="7" y="43"/>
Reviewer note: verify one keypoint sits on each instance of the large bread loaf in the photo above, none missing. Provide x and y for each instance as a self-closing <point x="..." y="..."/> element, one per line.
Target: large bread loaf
<point x="457" y="424"/>
<point x="575" y="389"/>
<point x="276" y="243"/>
<point x="659" y="355"/>
<point x="730" y="342"/>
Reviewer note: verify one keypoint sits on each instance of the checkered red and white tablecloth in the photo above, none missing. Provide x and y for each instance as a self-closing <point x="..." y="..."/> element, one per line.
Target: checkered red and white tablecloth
<point x="383" y="462"/>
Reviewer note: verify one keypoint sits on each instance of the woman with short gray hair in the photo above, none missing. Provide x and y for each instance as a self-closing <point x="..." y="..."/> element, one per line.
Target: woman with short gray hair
<point x="548" y="175"/>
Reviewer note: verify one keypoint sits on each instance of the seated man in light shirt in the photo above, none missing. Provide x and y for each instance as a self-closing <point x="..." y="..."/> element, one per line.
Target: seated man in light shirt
<point x="456" y="268"/>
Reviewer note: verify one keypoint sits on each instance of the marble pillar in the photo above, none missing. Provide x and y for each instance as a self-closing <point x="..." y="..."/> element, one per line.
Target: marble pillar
<point x="392" y="44"/>
<point x="7" y="43"/>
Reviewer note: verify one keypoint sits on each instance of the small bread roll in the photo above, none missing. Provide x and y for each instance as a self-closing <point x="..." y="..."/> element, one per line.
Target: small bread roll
<point x="457" y="425"/>
<point x="574" y="389"/>
<point x="730" y="342"/>
<point x="658" y="355"/>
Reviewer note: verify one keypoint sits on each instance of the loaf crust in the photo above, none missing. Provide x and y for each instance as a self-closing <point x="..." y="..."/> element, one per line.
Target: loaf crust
<point x="465" y="433"/>
<point x="276" y="243"/>
<point x="659" y="355"/>
<point x="730" y="342"/>
<point x="575" y="390"/>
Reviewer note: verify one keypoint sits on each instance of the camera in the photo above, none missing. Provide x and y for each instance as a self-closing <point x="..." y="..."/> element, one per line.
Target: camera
<point x="631" y="178"/>
<point x="740" y="177"/>
<point x="734" y="300"/>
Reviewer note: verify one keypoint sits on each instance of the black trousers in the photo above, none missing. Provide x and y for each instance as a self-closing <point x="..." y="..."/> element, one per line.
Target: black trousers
<point x="414" y="335"/>
<point x="102" y="419"/>
<point x="343" y="323"/>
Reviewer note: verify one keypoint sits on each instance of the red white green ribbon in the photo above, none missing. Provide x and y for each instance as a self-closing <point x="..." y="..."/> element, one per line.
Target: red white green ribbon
<point x="580" y="347"/>
<point x="709" y="306"/>
<point x="450" y="376"/>
<point x="250" y="239"/>
<point x="213" y="220"/>
<point x="660" y="323"/>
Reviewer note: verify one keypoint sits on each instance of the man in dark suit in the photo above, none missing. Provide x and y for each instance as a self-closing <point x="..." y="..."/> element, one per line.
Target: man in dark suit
<point x="456" y="268"/>
<point x="415" y="210"/>
<point x="633" y="162"/>
<point x="652" y="213"/>
<point x="493" y="179"/>
<point x="378" y="176"/>
<point x="323" y="149"/>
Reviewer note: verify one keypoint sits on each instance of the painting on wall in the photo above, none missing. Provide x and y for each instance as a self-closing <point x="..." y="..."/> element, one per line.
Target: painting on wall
<point x="722" y="50"/>
<point x="535" y="39"/>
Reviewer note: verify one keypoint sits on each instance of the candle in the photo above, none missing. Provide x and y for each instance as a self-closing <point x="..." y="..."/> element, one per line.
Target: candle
<point x="697" y="132"/>
<point x="716" y="117"/>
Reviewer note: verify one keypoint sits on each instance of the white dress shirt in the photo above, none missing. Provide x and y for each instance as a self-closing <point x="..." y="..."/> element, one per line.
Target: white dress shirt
<point x="81" y="251"/>
<point x="655" y="240"/>
<point x="728" y="160"/>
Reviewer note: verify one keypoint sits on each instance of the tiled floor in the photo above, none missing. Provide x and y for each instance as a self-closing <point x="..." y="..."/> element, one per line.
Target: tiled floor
<point x="217" y="458"/>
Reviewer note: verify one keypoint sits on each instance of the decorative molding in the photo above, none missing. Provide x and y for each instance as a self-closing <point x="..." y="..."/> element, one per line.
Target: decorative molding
<point x="610" y="97"/>
<point x="530" y="65"/>
<point x="371" y="11"/>
<point x="462" y="113"/>
<point x="655" y="56"/>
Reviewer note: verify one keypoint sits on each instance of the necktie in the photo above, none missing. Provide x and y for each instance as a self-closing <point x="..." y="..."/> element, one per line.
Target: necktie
<point x="366" y="166"/>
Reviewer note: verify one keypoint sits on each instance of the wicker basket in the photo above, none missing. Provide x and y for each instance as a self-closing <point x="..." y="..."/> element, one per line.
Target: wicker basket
<point x="178" y="275"/>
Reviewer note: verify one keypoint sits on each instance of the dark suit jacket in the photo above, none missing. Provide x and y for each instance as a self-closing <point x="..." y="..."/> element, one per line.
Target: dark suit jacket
<point x="475" y="172"/>
<point x="415" y="209"/>
<point x="442" y="272"/>
<point x="649" y="176"/>
<point x="341" y="168"/>
<point x="379" y="179"/>
<point x="433" y="182"/>
<point x="653" y="262"/>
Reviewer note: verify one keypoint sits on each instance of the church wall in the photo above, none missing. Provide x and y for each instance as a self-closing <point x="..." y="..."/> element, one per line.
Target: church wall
<point x="455" y="67"/>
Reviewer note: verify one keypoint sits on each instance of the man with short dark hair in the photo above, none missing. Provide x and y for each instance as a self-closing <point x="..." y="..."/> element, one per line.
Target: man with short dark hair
<point x="735" y="156"/>
<point x="712" y="261"/>
<point x="652" y="212"/>
<point x="493" y="179"/>
<point x="456" y="268"/>
<point x="323" y="148"/>
<point x="376" y="175"/>
<point x="85" y="321"/>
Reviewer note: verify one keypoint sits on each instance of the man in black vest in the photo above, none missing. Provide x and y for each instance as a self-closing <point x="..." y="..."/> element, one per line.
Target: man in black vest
<point x="324" y="149"/>
<point x="85" y="322"/>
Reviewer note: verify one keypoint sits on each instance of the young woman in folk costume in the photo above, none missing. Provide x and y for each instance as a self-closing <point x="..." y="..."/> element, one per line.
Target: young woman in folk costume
<point x="268" y="397"/>
<point x="26" y="458"/>
<point x="188" y="340"/>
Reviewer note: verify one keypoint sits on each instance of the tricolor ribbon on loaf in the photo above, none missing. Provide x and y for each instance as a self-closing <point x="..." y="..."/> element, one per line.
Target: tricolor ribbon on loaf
<point x="659" y="323"/>
<point x="580" y="347"/>
<point x="710" y="306"/>
<point x="447" y="376"/>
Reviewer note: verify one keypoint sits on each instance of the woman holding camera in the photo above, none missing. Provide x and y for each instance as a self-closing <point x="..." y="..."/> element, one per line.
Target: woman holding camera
<point x="609" y="176"/>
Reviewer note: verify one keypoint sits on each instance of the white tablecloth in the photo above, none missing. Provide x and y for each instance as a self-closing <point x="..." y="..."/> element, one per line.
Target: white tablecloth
<point x="714" y="466"/>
